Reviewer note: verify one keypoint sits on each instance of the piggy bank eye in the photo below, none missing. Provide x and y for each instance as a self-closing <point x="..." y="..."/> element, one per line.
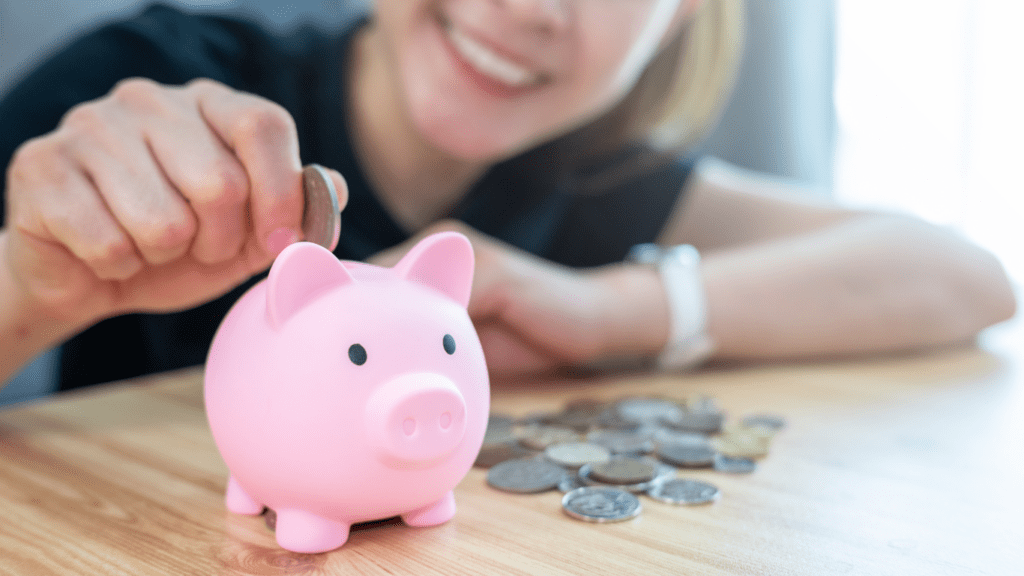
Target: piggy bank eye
<point x="357" y="354"/>
<point x="449" y="343"/>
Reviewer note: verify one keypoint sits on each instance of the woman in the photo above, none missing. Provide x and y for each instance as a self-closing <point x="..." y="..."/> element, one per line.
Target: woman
<point x="549" y="131"/>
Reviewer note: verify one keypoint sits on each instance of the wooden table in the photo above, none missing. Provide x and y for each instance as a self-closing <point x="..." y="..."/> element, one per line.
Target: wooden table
<point x="910" y="465"/>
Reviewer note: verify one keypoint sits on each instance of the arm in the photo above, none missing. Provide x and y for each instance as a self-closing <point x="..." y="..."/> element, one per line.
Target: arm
<point x="789" y="278"/>
<point x="785" y="278"/>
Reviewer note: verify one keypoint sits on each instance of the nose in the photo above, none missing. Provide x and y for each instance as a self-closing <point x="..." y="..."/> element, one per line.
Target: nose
<point x="416" y="419"/>
<point x="547" y="16"/>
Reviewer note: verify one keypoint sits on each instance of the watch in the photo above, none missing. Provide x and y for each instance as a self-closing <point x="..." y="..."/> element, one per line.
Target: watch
<point x="679" y="267"/>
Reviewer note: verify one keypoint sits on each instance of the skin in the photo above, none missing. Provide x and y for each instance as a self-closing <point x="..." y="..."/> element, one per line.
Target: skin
<point x="112" y="213"/>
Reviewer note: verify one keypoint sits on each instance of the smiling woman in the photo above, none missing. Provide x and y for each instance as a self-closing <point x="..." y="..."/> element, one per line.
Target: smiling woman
<point x="144" y="196"/>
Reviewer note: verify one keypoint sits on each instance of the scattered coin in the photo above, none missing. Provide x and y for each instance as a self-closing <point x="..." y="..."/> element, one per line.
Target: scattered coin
<point x="540" y="436"/>
<point x="622" y="441"/>
<point x="493" y="454"/>
<point x="686" y="456"/>
<point x="731" y="465"/>
<point x="525" y="476"/>
<point x="591" y="445"/>
<point x="742" y="442"/>
<point x="321" y="216"/>
<point x="681" y="438"/>
<point x="601" y="504"/>
<point x="648" y="410"/>
<point x="570" y="483"/>
<point x="771" y="422"/>
<point x="622" y="470"/>
<point x="572" y="455"/>
<point x="706" y="422"/>
<point x="684" y="491"/>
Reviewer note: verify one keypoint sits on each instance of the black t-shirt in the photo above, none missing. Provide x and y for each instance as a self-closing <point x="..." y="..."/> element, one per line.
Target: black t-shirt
<point x="304" y="71"/>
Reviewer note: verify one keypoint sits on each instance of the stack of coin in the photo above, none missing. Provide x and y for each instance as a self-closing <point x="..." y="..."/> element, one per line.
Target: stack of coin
<point x="602" y="454"/>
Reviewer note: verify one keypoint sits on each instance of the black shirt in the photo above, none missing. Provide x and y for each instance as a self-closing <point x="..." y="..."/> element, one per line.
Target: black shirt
<point x="303" y="71"/>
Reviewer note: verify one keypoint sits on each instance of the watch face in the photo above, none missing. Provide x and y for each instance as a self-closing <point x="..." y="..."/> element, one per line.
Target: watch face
<point x="645" y="253"/>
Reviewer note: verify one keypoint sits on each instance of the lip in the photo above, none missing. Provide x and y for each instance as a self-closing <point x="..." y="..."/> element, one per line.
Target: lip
<point x="482" y="81"/>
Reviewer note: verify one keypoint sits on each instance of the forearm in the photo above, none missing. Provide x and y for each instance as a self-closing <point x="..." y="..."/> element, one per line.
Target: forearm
<point x="25" y="329"/>
<point x="872" y="284"/>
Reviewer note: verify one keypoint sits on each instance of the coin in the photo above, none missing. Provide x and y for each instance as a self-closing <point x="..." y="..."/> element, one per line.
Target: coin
<point x="525" y="476"/>
<point x="622" y="470"/>
<point x="622" y="441"/>
<point x="771" y="422"/>
<point x="570" y="483"/>
<point x="499" y="429"/>
<point x="731" y="465"/>
<point x="647" y="410"/>
<point x="321" y="216"/>
<point x="601" y="504"/>
<point x="742" y="442"/>
<point x="687" y="456"/>
<point x="539" y="436"/>
<point x="681" y="438"/>
<point x="684" y="491"/>
<point x="572" y="455"/>
<point x="706" y="422"/>
<point x="496" y="453"/>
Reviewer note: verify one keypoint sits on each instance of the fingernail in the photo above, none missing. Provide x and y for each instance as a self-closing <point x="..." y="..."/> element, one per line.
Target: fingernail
<point x="280" y="239"/>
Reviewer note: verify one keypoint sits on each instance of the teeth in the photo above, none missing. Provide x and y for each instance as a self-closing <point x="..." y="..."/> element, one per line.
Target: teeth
<point x="489" y="63"/>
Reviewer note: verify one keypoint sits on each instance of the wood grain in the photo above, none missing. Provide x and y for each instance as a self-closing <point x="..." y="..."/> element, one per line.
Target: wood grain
<point x="907" y="465"/>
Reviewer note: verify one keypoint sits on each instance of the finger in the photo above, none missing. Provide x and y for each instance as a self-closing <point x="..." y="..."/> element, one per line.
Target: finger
<point x="71" y="212"/>
<point x="114" y="155"/>
<point x="211" y="179"/>
<point x="508" y="354"/>
<point x="263" y="137"/>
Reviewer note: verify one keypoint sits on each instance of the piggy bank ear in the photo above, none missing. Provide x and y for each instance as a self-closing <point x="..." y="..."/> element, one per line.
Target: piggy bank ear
<point x="301" y="273"/>
<point x="443" y="261"/>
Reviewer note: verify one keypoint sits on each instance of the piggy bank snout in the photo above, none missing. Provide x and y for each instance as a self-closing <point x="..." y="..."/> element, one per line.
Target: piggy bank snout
<point x="416" y="419"/>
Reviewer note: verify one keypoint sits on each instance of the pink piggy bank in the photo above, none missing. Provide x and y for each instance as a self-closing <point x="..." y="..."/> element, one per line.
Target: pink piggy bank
<point x="340" y="392"/>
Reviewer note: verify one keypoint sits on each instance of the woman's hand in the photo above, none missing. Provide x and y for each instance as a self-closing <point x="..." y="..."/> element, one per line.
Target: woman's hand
<point x="534" y="316"/>
<point x="152" y="198"/>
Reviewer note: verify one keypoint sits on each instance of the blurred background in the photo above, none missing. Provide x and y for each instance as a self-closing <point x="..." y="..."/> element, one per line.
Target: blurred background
<point x="912" y="106"/>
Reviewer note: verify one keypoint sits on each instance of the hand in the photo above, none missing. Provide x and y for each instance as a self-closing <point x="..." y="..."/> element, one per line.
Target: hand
<point x="153" y="198"/>
<point x="534" y="316"/>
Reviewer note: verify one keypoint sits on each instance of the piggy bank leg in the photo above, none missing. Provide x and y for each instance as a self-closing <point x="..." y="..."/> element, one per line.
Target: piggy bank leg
<point x="437" y="513"/>
<point x="239" y="501"/>
<point x="300" y="531"/>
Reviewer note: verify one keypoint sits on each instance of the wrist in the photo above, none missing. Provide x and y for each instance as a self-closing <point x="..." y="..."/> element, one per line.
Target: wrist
<point x="679" y="269"/>
<point x="636" y="323"/>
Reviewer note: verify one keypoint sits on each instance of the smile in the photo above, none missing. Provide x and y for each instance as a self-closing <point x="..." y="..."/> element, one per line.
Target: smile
<point x="489" y="63"/>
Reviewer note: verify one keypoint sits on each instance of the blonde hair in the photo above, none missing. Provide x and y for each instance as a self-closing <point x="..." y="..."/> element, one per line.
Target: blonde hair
<point x="674" y="104"/>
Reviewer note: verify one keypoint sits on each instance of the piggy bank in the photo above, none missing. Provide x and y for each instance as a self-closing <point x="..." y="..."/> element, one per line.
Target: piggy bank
<point x="340" y="392"/>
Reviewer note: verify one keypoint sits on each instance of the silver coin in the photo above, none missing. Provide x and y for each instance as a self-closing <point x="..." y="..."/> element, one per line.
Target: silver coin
<point x="706" y="422"/>
<point x="321" y="216"/>
<point x="622" y="441"/>
<point x="687" y="456"/>
<point x="684" y="491"/>
<point x="525" y="476"/>
<point x="771" y="422"/>
<point x="570" y="483"/>
<point x="661" y="472"/>
<point x="681" y="438"/>
<point x="600" y="504"/>
<point x="572" y="455"/>
<point x="731" y="465"/>
<point x="540" y="436"/>
<point x="646" y="410"/>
